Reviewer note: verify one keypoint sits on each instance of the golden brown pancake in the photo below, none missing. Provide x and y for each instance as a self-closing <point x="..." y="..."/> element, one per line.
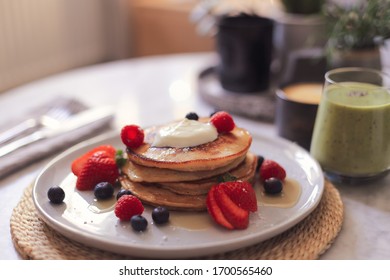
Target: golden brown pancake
<point x="180" y="178"/>
<point x="139" y="173"/>
<point x="186" y="196"/>
<point x="243" y="172"/>
<point x="157" y="196"/>
<point x="222" y="151"/>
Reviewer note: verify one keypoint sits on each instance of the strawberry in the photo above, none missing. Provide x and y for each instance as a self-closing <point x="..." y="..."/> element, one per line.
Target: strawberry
<point x="215" y="211"/>
<point x="79" y="162"/>
<point x="242" y="194"/>
<point x="235" y="215"/>
<point x="132" y="136"/>
<point x="223" y="122"/>
<point x="271" y="169"/>
<point x="128" y="206"/>
<point x="101" y="166"/>
<point x="230" y="202"/>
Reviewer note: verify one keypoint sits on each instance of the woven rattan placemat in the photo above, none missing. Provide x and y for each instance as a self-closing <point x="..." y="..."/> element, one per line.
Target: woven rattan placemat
<point x="33" y="239"/>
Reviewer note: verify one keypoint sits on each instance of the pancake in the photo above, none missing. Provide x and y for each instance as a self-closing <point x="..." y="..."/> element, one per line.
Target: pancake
<point x="157" y="196"/>
<point x="243" y="172"/>
<point x="139" y="173"/>
<point x="185" y="196"/>
<point x="209" y="156"/>
<point x="180" y="178"/>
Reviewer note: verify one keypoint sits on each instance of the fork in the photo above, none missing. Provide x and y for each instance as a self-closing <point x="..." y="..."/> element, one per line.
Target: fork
<point x="51" y="119"/>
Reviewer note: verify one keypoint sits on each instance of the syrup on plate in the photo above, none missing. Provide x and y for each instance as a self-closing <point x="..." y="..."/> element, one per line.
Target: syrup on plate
<point x="185" y="220"/>
<point x="286" y="199"/>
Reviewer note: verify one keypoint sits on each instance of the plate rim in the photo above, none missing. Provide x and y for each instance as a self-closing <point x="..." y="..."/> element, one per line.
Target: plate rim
<point x="140" y="250"/>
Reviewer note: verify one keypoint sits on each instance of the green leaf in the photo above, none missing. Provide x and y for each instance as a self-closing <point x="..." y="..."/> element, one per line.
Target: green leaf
<point x="227" y="177"/>
<point x="120" y="159"/>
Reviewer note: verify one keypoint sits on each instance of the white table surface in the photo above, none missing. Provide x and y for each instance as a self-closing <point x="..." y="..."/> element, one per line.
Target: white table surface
<point x="144" y="91"/>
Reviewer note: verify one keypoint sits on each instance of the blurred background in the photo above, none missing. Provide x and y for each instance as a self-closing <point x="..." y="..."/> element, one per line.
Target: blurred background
<point x="43" y="37"/>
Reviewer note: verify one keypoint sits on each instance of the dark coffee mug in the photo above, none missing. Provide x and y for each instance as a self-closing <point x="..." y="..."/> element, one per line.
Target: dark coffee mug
<point x="295" y="115"/>
<point x="244" y="45"/>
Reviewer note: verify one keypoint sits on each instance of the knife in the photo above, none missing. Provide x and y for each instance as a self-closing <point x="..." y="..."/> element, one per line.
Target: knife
<point x="77" y="121"/>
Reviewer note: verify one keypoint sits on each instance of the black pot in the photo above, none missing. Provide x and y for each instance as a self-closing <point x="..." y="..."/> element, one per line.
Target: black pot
<point x="244" y="44"/>
<point x="303" y="6"/>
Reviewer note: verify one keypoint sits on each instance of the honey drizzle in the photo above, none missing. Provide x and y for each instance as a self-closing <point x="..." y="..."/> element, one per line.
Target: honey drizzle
<point x="286" y="199"/>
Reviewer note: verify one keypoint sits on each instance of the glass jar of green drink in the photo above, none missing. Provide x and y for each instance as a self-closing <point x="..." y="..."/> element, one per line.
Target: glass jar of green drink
<point x="351" y="137"/>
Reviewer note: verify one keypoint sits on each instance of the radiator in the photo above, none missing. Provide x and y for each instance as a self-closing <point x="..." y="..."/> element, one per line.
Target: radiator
<point x="43" y="37"/>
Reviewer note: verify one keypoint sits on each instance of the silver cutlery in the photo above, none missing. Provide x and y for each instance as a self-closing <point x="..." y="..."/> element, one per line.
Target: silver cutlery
<point x="50" y="119"/>
<point x="69" y="124"/>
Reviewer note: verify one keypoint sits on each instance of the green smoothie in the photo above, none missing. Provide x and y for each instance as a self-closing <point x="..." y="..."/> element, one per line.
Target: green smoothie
<point x="352" y="130"/>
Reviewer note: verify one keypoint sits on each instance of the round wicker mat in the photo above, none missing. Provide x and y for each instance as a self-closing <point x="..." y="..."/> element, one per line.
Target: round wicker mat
<point x="33" y="239"/>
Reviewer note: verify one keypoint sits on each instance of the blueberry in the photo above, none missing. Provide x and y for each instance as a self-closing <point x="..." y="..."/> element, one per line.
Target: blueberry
<point x="160" y="215"/>
<point x="56" y="194"/>
<point x="103" y="190"/>
<point x="273" y="186"/>
<point x="138" y="223"/>
<point x="192" y="116"/>
<point x="260" y="160"/>
<point x="123" y="192"/>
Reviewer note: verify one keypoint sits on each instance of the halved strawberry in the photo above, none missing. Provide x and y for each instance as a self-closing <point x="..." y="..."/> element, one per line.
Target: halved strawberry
<point x="100" y="167"/>
<point x="79" y="162"/>
<point x="215" y="211"/>
<point x="235" y="215"/>
<point x="242" y="194"/>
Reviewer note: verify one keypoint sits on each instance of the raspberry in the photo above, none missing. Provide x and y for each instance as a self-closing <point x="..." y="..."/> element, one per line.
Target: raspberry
<point x="223" y="121"/>
<point x="270" y="169"/>
<point x="127" y="206"/>
<point x="132" y="136"/>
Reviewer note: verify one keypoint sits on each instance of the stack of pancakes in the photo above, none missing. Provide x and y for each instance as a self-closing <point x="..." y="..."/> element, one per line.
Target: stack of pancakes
<point x="180" y="178"/>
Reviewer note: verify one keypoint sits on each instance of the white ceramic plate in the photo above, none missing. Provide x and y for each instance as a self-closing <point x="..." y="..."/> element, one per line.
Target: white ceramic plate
<point x="188" y="234"/>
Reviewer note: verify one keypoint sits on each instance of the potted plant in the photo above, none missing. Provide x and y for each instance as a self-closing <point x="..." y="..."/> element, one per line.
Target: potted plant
<point x="301" y="38"/>
<point x="356" y="33"/>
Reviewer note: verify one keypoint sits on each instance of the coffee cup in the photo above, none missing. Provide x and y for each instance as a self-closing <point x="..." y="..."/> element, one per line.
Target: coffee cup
<point x="296" y="109"/>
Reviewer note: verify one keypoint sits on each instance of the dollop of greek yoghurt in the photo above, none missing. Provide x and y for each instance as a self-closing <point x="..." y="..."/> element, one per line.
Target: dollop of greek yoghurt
<point x="186" y="133"/>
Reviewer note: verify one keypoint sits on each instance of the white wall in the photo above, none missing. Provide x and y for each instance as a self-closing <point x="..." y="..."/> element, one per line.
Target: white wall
<point x="43" y="37"/>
